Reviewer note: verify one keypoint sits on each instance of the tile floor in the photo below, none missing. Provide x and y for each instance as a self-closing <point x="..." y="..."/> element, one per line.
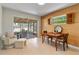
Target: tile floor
<point x="35" y="47"/>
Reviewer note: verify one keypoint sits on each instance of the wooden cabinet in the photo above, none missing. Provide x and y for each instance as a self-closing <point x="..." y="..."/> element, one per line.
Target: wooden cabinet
<point x="70" y="18"/>
<point x="49" y="22"/>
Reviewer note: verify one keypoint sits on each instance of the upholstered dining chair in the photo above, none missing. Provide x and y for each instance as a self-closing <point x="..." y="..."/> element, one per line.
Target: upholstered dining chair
<point x="62" y="40"/>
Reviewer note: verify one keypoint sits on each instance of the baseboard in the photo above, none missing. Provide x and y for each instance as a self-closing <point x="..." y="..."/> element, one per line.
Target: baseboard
<point x="73" y="47"/>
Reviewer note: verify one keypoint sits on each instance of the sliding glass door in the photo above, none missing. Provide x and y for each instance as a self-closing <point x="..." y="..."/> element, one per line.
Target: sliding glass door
<point x="25" y="30"/>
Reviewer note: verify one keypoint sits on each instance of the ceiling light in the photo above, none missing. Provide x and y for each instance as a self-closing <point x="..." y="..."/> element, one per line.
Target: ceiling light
<point x="41" y="3"/>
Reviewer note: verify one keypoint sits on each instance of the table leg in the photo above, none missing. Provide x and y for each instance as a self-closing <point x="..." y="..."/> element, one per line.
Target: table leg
<point x="51" y="39"/>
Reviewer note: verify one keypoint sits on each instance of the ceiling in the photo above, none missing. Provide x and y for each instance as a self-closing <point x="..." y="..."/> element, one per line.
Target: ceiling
<point x="36" y="9"/>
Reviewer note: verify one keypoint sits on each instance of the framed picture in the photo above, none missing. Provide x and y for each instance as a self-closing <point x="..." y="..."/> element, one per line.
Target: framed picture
<point x="62" y="19"/>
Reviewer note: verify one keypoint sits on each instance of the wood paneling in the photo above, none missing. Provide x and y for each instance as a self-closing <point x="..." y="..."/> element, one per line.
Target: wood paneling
<point x="72" y="29"/>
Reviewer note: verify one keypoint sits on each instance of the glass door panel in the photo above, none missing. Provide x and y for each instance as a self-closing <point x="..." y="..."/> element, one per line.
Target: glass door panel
<point x="25" y="30"/>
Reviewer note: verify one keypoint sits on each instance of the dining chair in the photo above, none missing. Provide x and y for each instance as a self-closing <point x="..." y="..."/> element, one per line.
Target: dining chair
<point x="63" y="39"/>
<point x="44" y="35"/>
<point x="49" y="37"/>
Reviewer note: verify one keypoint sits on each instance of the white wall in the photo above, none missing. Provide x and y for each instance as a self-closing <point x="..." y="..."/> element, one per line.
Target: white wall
<point x="8" y="19"/>
<point x="0" y="19"/>
<point x="0" y="25"/>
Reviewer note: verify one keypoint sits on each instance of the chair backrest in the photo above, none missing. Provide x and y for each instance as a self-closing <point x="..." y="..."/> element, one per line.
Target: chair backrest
<point x="64" y="37"/>
<point x="44" y="31"/>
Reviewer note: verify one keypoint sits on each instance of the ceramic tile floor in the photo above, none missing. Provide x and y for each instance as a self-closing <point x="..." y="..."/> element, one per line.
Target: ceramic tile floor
<point x="35" y="47"/>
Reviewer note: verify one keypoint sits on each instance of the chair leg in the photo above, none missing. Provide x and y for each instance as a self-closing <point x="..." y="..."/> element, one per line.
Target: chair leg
<point x="56" y="44"/>
<point x="67" y="44"/>
<point x="48" y="40"/>
<point x="43" y="39"/>
<point x="51" y="40"/>
<point x="64" y="46"/>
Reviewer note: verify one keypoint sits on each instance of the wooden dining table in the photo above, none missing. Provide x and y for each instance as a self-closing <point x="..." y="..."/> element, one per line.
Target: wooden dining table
<point x="51" y="35"/>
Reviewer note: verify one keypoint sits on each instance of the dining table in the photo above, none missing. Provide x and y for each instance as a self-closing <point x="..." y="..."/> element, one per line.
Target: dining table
<point x="54" y="36"/>
<point x="51" y="35"/>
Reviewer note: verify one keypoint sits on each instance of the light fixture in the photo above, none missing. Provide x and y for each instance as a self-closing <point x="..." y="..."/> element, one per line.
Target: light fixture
<point x="41" y="3"/>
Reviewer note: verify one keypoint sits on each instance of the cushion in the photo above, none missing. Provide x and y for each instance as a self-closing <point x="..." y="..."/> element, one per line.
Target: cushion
<point x="9" y="34"/>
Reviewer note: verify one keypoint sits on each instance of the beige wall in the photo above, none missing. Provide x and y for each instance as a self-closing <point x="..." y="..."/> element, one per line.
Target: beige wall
<point x="72" y="29"/>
